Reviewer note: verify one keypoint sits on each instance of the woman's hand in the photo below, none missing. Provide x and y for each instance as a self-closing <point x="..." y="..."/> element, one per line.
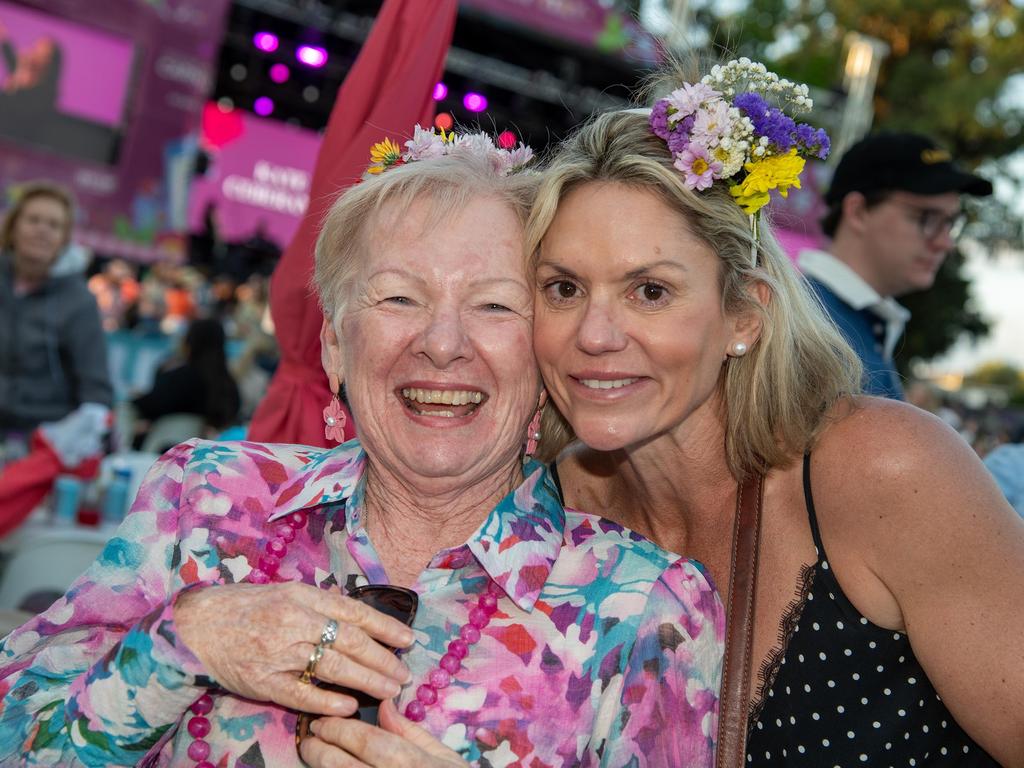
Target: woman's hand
<point x="398" y="743"/>
<point x="256" y="641"/>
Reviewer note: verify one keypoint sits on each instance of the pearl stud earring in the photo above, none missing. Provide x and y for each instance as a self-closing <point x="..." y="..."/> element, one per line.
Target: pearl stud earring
<point x="739" y="349"/>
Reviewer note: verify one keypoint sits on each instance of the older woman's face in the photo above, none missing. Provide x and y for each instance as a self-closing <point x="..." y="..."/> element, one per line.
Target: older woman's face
<point x="38" y="235"/>
<point x="629" y="330"/>
<point x="435" y="343"/>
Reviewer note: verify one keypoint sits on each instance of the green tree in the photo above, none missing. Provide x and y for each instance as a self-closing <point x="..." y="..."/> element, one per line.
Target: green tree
<point x="953" y="72"/>
<point x="997" y="374"/>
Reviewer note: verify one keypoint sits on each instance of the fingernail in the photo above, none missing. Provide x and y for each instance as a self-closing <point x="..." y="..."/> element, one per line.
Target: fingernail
<point x="407" y="638"/>
<point x="393" y="689"/>
<point x="314" y="727"/>
<point x="345" y="707"/>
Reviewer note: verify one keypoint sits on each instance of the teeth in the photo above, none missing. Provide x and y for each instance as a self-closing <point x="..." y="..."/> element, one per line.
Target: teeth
<point x="442" y="396"/>
<point x="607" y="384"/>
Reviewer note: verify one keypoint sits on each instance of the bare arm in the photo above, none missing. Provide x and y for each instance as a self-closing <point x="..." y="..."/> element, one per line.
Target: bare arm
<point x="936" y="551"/>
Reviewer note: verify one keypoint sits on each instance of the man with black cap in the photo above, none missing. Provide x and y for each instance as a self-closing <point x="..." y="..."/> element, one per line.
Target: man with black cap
<point x="894" y="215"/>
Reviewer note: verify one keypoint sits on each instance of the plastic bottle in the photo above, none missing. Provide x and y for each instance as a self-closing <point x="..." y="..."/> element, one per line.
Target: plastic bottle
<point x="115" y="501"/>
<point x="67" y="495"/>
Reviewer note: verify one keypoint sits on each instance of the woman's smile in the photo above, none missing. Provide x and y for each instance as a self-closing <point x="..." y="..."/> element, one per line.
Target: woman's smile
<point x="456" y="403"/>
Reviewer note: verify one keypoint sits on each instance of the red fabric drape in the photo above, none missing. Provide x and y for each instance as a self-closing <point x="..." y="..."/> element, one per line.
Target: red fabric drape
<point x="25" y="483"/>
<point x="388" y="90"/>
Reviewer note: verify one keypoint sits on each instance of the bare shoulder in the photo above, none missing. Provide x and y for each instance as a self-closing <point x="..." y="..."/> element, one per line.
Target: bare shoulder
<point x="873" y="447"/>
<point x="891" y="479"/>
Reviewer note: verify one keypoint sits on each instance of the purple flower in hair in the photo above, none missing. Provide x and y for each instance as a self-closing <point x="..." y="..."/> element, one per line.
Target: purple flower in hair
<point x="679" y="137"/>
<point x="659" y="120"/>
<point x="779" y="128"/>
<point x="822" y="144"/>
<point x="752" y="105"/>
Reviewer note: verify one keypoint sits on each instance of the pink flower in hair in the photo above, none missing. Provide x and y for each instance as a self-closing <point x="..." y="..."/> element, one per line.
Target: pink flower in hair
<point x="699" y="169"/>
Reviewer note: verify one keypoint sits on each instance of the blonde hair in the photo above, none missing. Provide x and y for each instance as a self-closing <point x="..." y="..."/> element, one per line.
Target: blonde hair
<point x="775" y="397"/>
<point x="31" y="191"/>
<point x="449" y="183"/>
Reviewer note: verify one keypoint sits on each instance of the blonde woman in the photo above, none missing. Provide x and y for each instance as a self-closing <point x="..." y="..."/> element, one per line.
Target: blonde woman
<point x="686" y="354"/>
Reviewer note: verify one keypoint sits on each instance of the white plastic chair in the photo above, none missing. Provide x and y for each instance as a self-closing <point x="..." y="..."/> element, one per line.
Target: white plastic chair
<point x="169" y="430"/>
<point x="46" y="558"/>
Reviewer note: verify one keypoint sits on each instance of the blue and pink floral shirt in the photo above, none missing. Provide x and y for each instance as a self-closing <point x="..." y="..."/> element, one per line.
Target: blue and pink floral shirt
<point x="605" y="649"/>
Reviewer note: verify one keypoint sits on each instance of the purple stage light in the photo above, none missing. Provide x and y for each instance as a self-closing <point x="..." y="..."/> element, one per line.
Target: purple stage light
<point x="265" y="41"/>
<point x="440" y="91"/>
<point x="279" y="73"/>
<point x="474" y="102"/>
<point x="263" y="106"/>
<point x="311" y="56"/>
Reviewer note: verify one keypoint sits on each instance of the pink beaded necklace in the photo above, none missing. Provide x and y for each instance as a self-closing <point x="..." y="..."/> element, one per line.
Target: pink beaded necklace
<point x="469" y="634"/>
<point x="274" y="552"/>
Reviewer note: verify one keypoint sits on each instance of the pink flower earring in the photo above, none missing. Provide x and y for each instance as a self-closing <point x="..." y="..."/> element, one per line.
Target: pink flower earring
<point x="533" y="434"/>
<point x="334" y="421"/>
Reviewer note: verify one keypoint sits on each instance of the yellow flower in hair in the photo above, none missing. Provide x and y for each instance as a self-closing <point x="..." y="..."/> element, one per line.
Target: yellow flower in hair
<point x="777" y="172"/>
<point x="383" y="155"/>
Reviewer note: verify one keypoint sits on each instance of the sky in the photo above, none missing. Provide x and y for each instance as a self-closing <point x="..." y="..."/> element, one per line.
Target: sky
<point x="997" y="285"/>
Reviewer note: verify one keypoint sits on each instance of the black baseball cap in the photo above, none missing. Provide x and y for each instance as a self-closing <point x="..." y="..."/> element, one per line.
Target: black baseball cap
<point x="901" y="161"/>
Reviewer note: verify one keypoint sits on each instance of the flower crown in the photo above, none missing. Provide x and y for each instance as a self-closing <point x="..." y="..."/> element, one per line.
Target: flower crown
<point x="426" y="144"/>
<point x="725" y="128"/>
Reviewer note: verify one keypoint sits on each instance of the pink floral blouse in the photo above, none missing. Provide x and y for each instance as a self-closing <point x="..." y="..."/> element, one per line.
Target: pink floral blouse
<point x="605" y="649"/>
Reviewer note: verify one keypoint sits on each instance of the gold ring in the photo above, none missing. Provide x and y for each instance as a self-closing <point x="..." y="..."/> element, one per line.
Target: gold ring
<point x="314" y="659"/>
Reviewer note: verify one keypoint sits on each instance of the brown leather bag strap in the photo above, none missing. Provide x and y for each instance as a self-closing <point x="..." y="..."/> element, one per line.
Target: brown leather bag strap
<point x="739" y="626"/>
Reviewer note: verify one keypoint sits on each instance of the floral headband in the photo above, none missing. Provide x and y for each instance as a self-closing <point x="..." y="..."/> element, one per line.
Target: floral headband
<point x="727" y="127"/>
<point x="426" y="144"/>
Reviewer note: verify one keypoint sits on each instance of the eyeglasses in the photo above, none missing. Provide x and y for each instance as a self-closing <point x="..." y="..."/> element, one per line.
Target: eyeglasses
<point x="398" y="603"/>
<point x="931" y="222"/>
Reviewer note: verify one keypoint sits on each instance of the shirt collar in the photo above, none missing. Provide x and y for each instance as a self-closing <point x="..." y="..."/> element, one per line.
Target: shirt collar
<point x="327" y="477"/>
<point x="517" y="544"/>
<point x="839" y="278"/>
<point x="851" y="288"/>
<point x="522" y="537"/>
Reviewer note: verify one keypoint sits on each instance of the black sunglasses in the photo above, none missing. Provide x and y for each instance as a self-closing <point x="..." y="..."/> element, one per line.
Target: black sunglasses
<point x="398" y="603"/>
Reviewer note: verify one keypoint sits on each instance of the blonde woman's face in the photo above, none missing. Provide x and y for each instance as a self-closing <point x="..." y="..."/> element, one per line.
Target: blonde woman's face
<point x="629" y="329"/>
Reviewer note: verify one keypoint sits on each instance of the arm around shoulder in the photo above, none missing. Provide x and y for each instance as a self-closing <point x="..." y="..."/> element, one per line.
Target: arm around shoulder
<point x="910" y="497"/>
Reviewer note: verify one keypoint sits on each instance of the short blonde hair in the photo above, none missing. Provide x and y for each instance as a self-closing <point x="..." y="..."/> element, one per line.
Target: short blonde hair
<point x="776" y="396"/>
<point x="31" y="191"/>
<point x="448" y="182"/>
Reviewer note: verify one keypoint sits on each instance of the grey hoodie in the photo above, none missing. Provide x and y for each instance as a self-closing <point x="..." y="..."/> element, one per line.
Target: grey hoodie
<point x="53" y="353"/>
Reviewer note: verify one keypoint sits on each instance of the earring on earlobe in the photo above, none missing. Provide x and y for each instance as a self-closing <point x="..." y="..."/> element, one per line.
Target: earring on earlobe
<point x="738" y="349"/>
<point x="532" y="435"/>
<point x="334" y="420"/>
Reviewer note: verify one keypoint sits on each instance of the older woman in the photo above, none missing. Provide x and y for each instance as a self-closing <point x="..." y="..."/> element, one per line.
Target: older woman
<point x="53" y="357"/>
<point x="542" y="636"/>
<point x="688" y="356"/>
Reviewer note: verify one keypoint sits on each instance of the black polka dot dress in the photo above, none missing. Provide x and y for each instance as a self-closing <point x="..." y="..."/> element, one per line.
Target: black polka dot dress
<point x="845" y="692"/>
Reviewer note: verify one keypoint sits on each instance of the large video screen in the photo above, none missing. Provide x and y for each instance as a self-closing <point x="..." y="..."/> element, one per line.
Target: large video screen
<point x="63" y="85"/>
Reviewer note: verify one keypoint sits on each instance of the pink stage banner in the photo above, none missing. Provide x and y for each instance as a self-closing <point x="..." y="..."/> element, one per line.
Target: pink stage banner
<point x="105" y="96"/>
<point x="259" y="174"/>
<point x="95" y="67"/>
